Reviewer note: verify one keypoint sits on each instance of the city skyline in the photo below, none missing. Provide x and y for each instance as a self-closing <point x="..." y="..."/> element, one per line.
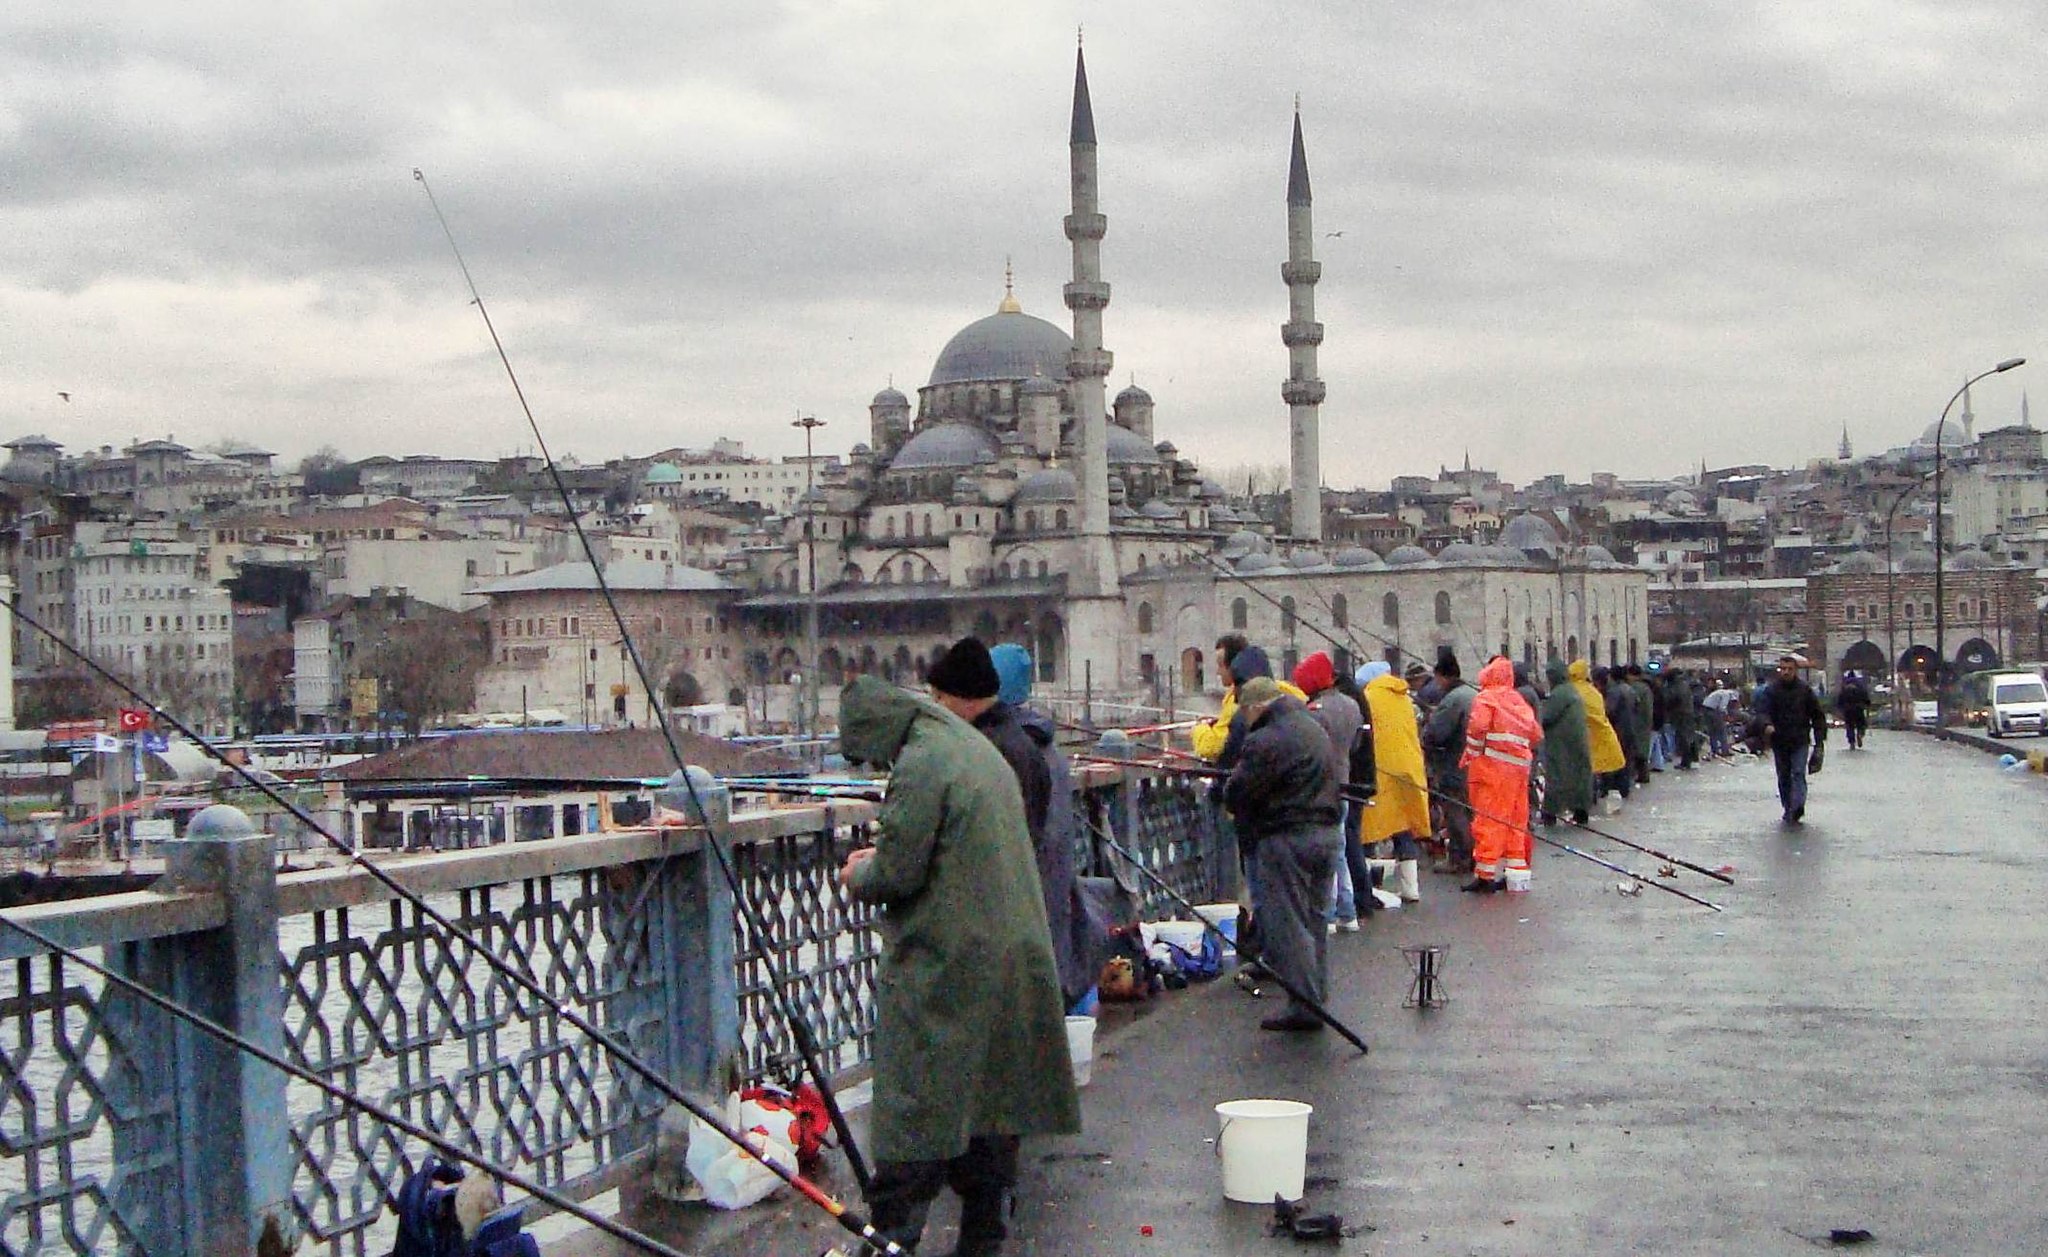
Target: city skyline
<point x="1544" y="239"/>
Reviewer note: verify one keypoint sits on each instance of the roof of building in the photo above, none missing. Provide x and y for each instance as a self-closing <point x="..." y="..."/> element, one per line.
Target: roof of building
<point x="1127" y="447"/>
<point x="33" y="441"/>
<point x="664" y="473"/>
<point x="890" y="396"/>
<point x="1054" y="484"/>
<point x="622" y="575"/>
<point x="1007" y="345"/>
<point x="522" y="755"/>
<point x="946" y="445"/>
<point x="1134" y="395"/>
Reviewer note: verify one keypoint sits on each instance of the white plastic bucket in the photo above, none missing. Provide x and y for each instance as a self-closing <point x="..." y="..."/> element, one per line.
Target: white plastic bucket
<point x="1224" y="917"/>
<point x="1518" y="880"/>
<point x="1263" y="1145"/>
<point x="1186" y="935"/>
<point x="1081" y="1048"/>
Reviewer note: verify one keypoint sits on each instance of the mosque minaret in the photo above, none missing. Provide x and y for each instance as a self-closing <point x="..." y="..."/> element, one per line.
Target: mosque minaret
<point x="1303" y="392"/>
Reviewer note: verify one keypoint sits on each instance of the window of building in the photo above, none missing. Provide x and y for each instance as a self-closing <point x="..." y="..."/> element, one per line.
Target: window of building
<point x="1287" y="618"/>
<point x="1443" y="607"/>
<point x="1390" y="611"/>
<point x="1144" y="617"/>
<point x="1340" y="611"/>
<point x="1240" y="614"/>
<point x="1059" y="518"/>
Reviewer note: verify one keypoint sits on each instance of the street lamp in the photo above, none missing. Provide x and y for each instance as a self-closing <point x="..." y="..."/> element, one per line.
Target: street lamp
<point x="810" y="424"/>
<point x="1891" y="595"/>
<point x="1941" y="604"/>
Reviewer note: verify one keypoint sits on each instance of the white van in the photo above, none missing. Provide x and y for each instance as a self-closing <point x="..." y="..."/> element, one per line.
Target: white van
<point x="2015" y="702"/>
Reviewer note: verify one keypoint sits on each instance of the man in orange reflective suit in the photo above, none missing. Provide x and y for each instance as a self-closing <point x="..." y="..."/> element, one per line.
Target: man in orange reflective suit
<point x="1501" y="737"/>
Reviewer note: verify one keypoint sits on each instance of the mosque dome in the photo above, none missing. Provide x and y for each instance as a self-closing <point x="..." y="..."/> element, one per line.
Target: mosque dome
<point x="1407" y="556"/>
<point x="1133" y="394"/>
<point x="1952" y="436"/>
<point x="891" y="396"/>
<point x="1054" y="484"/>
<point x="1859" y="563"/>
<point x="1126" y="446"/>
<point x="664" y="473"/>
<point x="1461" y="554"/>
<point x="1357" y="556"/>
<point x="1308" y="557"/>
<point x="1916" y="561"/>
<point x="1592" y="555"/>
<point x="1213" y="492"/>
<point x="1530" y="532"/>
<point x="1973" y="561"/>
<point x="1156" y="509"/>
<point x="1681" y="502"/>
<point x="1243" y="541"/>
<point x="1257" y="563"/>
<point x="1224" y="515"/>
<point x="945" y="445"/>
<point x="1007" y="345"/>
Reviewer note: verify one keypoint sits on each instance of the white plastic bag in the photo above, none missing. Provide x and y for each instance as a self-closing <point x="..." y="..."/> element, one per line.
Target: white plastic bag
<point x="733" y="1179"/>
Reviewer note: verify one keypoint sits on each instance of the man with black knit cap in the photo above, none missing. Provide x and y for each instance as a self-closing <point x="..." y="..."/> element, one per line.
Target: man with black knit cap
<point x="965" y="682"/>
<point x="1443" y="747"/>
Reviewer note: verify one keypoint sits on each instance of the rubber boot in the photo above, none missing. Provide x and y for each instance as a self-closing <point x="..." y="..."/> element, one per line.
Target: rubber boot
<point x="1410" y="882"/>
<point x="984" y="1224"/>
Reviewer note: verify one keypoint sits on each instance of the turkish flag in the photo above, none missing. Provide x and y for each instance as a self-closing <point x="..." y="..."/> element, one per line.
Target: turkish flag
<point x="133" y="721"/>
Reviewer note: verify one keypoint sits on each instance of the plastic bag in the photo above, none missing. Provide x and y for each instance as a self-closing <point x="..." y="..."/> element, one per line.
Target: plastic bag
<point x="733" y="1179"/>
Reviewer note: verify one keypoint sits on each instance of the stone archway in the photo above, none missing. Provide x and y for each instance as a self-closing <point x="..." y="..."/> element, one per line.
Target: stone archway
<point x="1977" y="655"/>
<point x="1865" y="656"/>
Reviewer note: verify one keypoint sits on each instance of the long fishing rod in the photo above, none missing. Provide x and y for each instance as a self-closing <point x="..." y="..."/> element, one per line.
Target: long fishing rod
<point x="1352" y="795"/>
<point x="505" y="968"/>
<point x="799" y="1028"/>
<point x="221" y="1034"/>
<point x="1314" y="1006"/>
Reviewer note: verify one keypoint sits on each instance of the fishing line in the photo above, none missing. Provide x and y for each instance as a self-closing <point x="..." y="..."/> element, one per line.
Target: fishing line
<point x="491" y="959"/>
<point x="801" y="1037"/>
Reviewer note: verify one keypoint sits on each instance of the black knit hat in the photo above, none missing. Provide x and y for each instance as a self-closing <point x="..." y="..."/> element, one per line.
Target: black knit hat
<point x="965" y="671"/>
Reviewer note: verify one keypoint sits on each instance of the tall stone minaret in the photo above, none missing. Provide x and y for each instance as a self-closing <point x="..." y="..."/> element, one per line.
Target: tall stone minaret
<point x="1088" y="363"/>
<point x="1303" y="392"/>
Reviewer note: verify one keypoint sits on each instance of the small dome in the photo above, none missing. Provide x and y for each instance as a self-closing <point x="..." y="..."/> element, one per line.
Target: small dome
<point x="1038" y="386"/>
<point x="1133" y="396"/>
<point x="861" y="449"/>
<point x="663" y="473"/>
<point x="1156" y="509"/>
<point x="1681" y="502"/>
<point x="1357" y="556"/>
<point x="1054" y="484"/>
<point x="1859" y="563"/>
<point x="1917" y="561"/>
<point x="1973" y="561"/>
<point x="1213" y="492"/>
<point x="891" y="396"/>
<point x="945" y="445"/>
<point x="1167" y="450"/>
<point x="1122" y="513"/>
<point x="1257" y="563"/>
<point x="1224" y="515"/>
<point x="1007" y="345"/>
<point x="1407" y="556"/>
<point x="1530" y="532"/>
<point x="1505" y="555"/>
<point x="1244" y="541"/>
<point x="1307" y="557"/>
<point x="1126" y="446"/>
<point x="1592" y="555"/>
<point x="1461" y="553"/>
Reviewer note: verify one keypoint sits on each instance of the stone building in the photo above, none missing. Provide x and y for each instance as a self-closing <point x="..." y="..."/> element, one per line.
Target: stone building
<point x="1860" y="616"/>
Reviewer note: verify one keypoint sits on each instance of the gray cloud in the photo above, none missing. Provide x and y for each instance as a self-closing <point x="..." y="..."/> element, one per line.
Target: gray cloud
<point x="1621" y="235"/>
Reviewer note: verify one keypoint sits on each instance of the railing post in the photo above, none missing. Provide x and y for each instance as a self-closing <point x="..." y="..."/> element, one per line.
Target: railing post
<point x="232" y="1116"/>
<point x="703" y="978"/>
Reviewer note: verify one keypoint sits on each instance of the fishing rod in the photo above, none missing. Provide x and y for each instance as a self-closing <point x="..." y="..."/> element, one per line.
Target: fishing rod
<point x="505" y="968"/>
<point x="801" y="1036"/>
<point x="221" y="1034"/>
<point x="1321" y="1013"/>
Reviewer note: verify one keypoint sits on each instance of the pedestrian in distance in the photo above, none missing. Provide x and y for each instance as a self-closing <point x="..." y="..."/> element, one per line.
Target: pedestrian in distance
<point x="1608" y="757"/>
<point x="1398" y="820"/>
<point x="1283" y="794"/>
<point x="1641" y="754"/>
<point x="1338" y="714"/>
<point x="1567" y="755"/>
<point x="1443" y="748"/>
<point x="1680" y="705"/>
<point x="1789" y="715"/>
<point x="1853" y="701"/>
<point x="970" y="1048"/>
<point x="1501" y="737"/>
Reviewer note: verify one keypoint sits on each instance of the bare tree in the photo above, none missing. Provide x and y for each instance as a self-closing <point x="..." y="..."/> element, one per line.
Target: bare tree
<point x="1251" y="480"/>
<point x="426" y="667"/>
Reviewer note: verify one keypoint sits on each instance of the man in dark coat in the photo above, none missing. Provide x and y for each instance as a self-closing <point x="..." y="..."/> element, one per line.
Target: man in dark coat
<point x="1443" y="745"/>
<point x="1283" y="793"/>
<point x="1646" y="724"/>
<point x="1796" y="728"/>
<point x="1678" y="701"/>
<point x="1853" y="701"/>
<point x="970" y="1038"/>
<point x="1567" y="751"/>
<point x="1625" y="712"/>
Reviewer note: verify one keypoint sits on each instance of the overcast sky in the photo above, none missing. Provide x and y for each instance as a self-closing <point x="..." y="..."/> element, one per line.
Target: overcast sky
<point x="1576" y="234"/>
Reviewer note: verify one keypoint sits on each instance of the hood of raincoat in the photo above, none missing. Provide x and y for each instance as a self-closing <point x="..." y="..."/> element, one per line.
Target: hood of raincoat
<point x="1250" y="662"/>
<point x="1556" y="673"/>
<point x="1369" y="672"/>
<point x="1498" y="674"/>
<point x="1315" y="674"/>
<point x="1387" y="683"/>
<point x="875" y="719"/>
<point x="1581" y="670"/>
<point x="1013" y="667"/>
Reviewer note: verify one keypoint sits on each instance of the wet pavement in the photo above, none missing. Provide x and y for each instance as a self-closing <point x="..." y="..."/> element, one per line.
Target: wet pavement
<point x="1853" y="1043"/>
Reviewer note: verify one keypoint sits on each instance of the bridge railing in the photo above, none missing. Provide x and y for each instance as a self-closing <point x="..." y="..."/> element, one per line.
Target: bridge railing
<point x="122" y="1130"/>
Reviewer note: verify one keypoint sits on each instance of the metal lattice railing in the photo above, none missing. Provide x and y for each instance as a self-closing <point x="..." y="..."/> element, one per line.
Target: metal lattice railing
<point x="1171" y="826"/>
<point x="826" y="944"/>
<point x="88" y="1117"/>
<point x="379" y="1001"/>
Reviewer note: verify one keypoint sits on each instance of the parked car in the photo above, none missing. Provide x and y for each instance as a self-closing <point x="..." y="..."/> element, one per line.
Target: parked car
<point x="1926" y="712"/>
<point x="2007" y="702"/>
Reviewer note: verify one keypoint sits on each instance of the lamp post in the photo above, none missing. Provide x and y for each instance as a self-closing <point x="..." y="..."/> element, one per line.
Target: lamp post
<point x="1891" y="594"/>
<point x="810" y="424"/>
<point x="1940" y="604"/>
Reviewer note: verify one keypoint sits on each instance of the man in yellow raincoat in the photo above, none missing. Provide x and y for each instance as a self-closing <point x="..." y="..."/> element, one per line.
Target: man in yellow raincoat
<point x="1606" y="744"/>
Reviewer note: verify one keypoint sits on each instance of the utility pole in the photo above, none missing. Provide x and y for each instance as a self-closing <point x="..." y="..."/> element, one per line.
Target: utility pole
<point x="810" y="424"/>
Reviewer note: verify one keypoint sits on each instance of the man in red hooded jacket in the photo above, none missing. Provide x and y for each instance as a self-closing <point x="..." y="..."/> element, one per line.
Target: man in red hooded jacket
<point x="1501" y="737"/>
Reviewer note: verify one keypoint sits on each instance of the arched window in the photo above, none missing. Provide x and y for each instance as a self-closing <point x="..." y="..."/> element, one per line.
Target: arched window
<point x="884" y="577"/>
<point x="1340" y="611"/>
<point x="927" y="525"/>
<point x="889" y="527"/>
<point x="1287" y="616"/>
<point x="1390" y="610"/>
<point x="1031" y="521"/>
<point x="1240" y="614"/>
<point x="1144" y="617"/>
<point x="1141" y="562"/>
<point x="1963" y="607"/>
<point x="1041" y="568"/>
<point x="1059" y="518"/>
<point x="1443" y="607"/>
<point x="1003" y="570"/>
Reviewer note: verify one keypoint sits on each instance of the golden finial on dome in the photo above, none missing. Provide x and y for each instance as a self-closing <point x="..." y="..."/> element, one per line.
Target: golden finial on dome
<point x="1009" y="305"/>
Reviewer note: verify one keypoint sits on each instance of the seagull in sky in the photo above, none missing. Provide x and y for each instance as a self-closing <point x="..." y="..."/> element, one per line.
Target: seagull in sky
<point x="1332" y="235"/>
<point x="66" y="396"/>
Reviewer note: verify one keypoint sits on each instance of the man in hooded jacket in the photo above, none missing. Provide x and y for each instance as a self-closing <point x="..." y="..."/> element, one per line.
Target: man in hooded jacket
<point x="1501" y="737"/>
<point x="1679" y="702"/>
<point x="1340" y="717"/>
<point x="1643" y="754"/>
<point x="1399" y="813"/>
<point x="970" y="1037"/>
<point x="1567" y="757"/>
<point x="1625" y="713"/>
<point x="1608" y="757"/>
<point x="1443" y="745"/>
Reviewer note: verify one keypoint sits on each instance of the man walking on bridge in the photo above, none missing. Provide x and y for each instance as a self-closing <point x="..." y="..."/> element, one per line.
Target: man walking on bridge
<point x="1796" y="727"/>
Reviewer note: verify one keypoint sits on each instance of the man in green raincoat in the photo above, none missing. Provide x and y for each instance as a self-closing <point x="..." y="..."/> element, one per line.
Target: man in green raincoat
<point x="970" y="1035"/>
<point x="1567" y="755"/>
